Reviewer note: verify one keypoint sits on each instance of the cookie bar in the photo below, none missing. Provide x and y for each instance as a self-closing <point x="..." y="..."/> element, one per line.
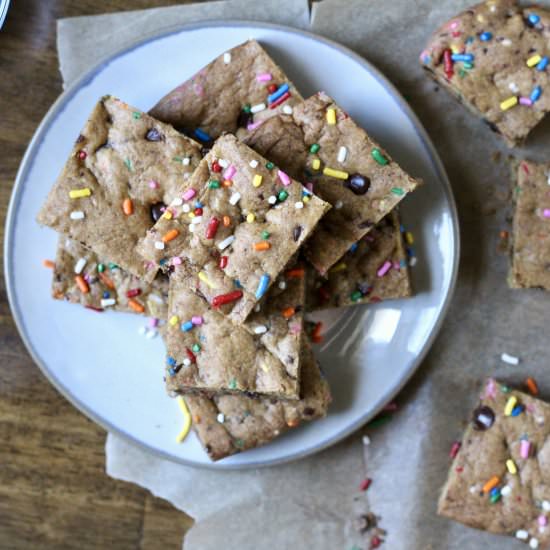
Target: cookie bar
<point x="228" y="424"/>
<point x="207" y="353"/>
<point x="236" y="91"/>
<point x="123" y="169"/>
<point x="499" y="479"/>
<point x="531" y="227"/>
<point x="321" y="145"/>
<point x="375" y="269"/>
<point x="80" y="277"/>
<point x="494" y="59"/>
<point x="237" y="222"/>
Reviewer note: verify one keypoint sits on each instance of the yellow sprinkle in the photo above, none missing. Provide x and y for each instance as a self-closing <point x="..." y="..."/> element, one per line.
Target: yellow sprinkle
<point x="191" y="215"/>
<point x="257" y="181"/>
<point x="409" y="237"/>
<point x="510" y="406"/>
<point x="250" y="217"/>
<point x="339" y="174"/>
<point x="331" y="116"/>
<point x="79" y="193"/>
<point x="206" y="280"/>
<point x="455" y="48"/>
<point x="306" y="199"/>
<point x="186" y="420"/>
<point x="480" y="18"/>
<point x="174" y="320"/>
<point x="511" y="465"/>
<point x="534" y="60"/>
<point x="264" y="367"/>
<point x="168" y="215"/>
<point x="316" y="164"/>
<point x="509" y="103"/>
<point x="338" y="267"/>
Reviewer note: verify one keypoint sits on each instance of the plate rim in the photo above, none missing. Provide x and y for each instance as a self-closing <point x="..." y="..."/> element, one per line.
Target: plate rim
<point x="26" y="165"/>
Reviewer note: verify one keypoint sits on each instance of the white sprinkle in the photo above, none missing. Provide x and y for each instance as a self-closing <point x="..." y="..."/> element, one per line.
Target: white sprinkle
<point x="412" y="261"/>
<point x="223" y="163"/>
<point x="186" y="208"/>
<point x="506" y="490"/>
<point x="272" y="199"/>
<point x="546" y="505"/>
<point x="178" y="201"/>
<point x="108" y="302"/>
<point x="156" y="298"/>
<point x="150" y="334"/>
<point x="79" y="266"/>
<point x="159" y="245"/>
<point x="287" y="109"/>
<point x="186" y="161"/>
<point x="533" y="543"/>
<point x="282" y="285"/>
<point x="260" y="329"/>
<point x="474" y="489"/>
<point x="220" y="418"/>
<point x="342" y="154"/>
<point x="226" y="242"/>
<point x="77" y="215"/>
<point x="235" y="198"/>
<point x="186" y="362"/>
<point x="227" y="58"/>
<point x="548" y="178"/>
<point x="257" y="108"/>
<point x="338" y="205"/>
<point x="299" y="205"/>
<point x="142" y="330"/>
<point x="510" y="359"/>
<point x="522" y="534"/>
<point x="366" y="440"/>
<point x="253" y="163"/>
<point x="513" y="87"/>
<point x="493" y="8"/>
<point x="196" y="220"/>
<point x="506" y="42"/>
<point x="192" y="228"/>
<point x="257" y="308"/>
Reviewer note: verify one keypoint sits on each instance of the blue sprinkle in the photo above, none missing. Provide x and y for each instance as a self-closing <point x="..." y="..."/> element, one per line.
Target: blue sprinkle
<point x="163" y="261"/>
<point x="262" y="287"/>
<point x="354" y="247"/>
<point x="542" y="64"/>
<point x="467" y="57"/>
<point x="470" y="39"/>
<point x="426" y="59"/>
<point x="533" y="18"/>
<point x="237" y="283"/>
<point x="495" y="491"/>
<point x="410" y="252"/>
<point x="171" y="361"/>
<point x="402" y="263"/>
<point x="202" y="135"/>
<point x="518" y="409"/>
<point x="172" y="371"/>
<point x="106" y="295"/>
<point x="402" y="228"/>
<point x="276" y="95"/>
<point x="198" y="204"/>
<point x="187" y="326"/>
<point x="536" y="93"/>
<point x="485" y="36"/>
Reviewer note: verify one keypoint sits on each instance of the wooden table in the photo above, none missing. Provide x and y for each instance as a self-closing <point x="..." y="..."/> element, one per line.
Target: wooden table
<point x="54" y="492"/>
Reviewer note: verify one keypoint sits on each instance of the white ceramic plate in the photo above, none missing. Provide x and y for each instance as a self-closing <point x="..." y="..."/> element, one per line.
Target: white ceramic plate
<point x="101" y="364"/>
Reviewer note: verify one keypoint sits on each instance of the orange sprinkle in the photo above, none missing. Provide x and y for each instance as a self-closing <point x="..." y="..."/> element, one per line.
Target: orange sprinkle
<point x="82" y="284"/>
<point x="136" y="306"/>
<point x="288" y="312"/>
<point x="196" y="419"/>
<point x="532" y="386"/>
<point x="293" y="423"/>
<point x="262" y="245"/>
<point x="504" y="235"/>
<point x="316" y="334"/>
<point x="491" y="484"/>
<point x="128" y="207"/>
<point x="48" y="263"/>
<point x="226" y="221"/>
<point x="170" y="236"/>
<point x="227" y="183"/>
<point x="296" y="273"/>
<point x="106" y="281"/>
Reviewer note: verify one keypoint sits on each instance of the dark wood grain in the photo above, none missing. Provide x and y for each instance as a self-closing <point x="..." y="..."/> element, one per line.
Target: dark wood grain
<point x="54" y="492"/>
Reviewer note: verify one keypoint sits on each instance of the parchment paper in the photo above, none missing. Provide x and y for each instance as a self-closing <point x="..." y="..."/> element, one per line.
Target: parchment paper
<point x="310" y="503"/>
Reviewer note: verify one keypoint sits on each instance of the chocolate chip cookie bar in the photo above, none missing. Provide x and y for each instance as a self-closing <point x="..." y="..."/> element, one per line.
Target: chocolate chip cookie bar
<point x="236" y="91"/>
<point x="237" y="223"/>
<point x="531" y="227"/>
<point x="320" y="145"/>
<point x="494" y="58"/>
<point x="124" y="168"/>
<point x="499" y="479"/>
<point x="228" y="424"/>
<point x="374" y="269"/>
<point x="80" y="277"/>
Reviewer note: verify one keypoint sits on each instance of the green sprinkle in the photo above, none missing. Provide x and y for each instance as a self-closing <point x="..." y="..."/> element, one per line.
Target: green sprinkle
<point x="462" y="73"/>
<point x="355" y="296"/>
<point x="196" y="348"/>
<point x="398" y="191"/>
<point x="265" y="234"/>
<point x="379" y="157"/>
<point x="232" y="384"/>
<point x="517" y="190"/>
<point x="504" y="389"/>
<point x="128" y="164"/>
<point x="270" y="166"/>
<point x="495" y="498"/>
<point x="177" y="159"/>
<point x="314" y="148"/>
<point x="468" y="65"/>
<point x="136" y="115"/>
<point x="282" y="196"/>
<point x="112" y="266"/>
<point x="100" y="268"/>
<point x="213" y="184"/>
<point x="379" y="421"/>
<point x="239" y="442"/>
<point x="247" y="108"/>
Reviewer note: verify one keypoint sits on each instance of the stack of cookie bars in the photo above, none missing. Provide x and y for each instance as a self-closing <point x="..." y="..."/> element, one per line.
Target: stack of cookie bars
<point x="226" y="213"/>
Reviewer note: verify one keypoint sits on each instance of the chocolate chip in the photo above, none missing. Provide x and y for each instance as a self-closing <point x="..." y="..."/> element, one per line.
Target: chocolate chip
<point x="484" y="418"/>
<point x="154" y="135"/>
<point x="358" y="184"/>
<point x="244" y="119"/>
<point x="157" y="210"/>
<point x="308" y="411"/>
<point x="296" y="232"/>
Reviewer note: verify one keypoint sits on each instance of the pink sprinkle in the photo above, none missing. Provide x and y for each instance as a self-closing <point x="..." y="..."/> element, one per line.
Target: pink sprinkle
<point x="153" y="184"/>
<point x="455" y="448"/>
<point x="490" y="389"/>
<point x="150" y="265"/>
<point x="285" y="180"/>
<point x="153" y="322"/>
<point x="384" y="269"/>
<point x="309" y="186"/>
<point x="524" y="448"/>
<point x="176" y="260"/>
<point x="254" y="125"/>
<point x="230" y="172"/>
<point x="453" y="24"/>
<point x="365" y="484"/>
<point x="546" y="212"/>
<point x="264" y="77"/>
<point x="197" y="320"/>
<point x="87" y="277"/>
<point x="396" y="266"/>
<point x="543" y="520"/>
<point x="525" y="101"/>
<point x="295" y="328"/>
<point x="189" y="194"/>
